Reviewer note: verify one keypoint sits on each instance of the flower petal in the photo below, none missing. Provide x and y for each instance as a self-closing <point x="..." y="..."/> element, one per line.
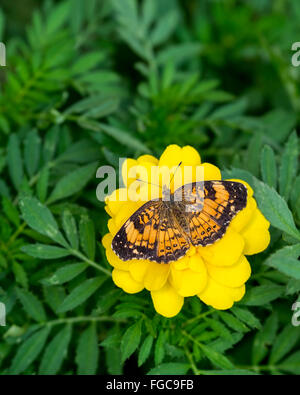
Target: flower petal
<point x="244" y="216"/>
<point x="126" y="166"/>
<point x="171" y="156"/>
<point x="124" y="280"/>
<point x="107" y="240"/>
<point x="231" y="276"/>
<point x="115" y="201"/>
<point x="189" y="156"/>
<point x="166" y="301"/>
<point x="138" y="269"/>
<point x="115" y="261"/>
<point x="224" y="252"/>
<point x="189" y="282"/>
<point x="148" y="158"/>
<point x="256" y="234"/>
<point x="211" y="172"/>
<point x="219" y="296"/>
<point x="156" y="275"/>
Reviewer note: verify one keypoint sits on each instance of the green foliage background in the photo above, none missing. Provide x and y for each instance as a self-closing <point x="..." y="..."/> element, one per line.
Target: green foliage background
<point x="89" y="81"/>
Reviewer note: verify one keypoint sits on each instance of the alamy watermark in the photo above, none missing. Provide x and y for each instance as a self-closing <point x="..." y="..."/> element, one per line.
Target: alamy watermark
<point x="296" y="56"/>
<point x="2" y="54"/>
<point x="2" y="314"/>
<point x="296" y="314"/>
<point x="146" y="181"/>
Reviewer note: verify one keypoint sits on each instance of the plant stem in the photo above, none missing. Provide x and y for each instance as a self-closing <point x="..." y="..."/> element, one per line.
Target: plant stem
<point x="90" y="262"/>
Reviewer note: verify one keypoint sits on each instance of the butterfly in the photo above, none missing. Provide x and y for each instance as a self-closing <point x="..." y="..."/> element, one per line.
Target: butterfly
<point x="196" y="214"/>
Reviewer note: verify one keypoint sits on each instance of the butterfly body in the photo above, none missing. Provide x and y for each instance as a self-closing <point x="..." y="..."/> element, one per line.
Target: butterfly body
<point x="196" y="214"/>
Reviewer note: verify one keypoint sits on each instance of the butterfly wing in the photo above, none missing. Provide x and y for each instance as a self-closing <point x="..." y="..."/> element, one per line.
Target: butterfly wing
<point x="210" y="207"/>
<point x="150" y="233"/>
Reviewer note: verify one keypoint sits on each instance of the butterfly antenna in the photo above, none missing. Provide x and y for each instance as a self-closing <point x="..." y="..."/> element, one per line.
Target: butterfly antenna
<point x="173" y="175"/>
<point x="138" y="179"/>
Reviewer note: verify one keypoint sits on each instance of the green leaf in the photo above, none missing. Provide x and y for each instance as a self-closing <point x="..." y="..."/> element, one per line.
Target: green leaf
<point x="286" y="260"/>
<point x="56" y="352"/>
<point x="264" y="339"/>
<point x="83" y="151"/>
<point x="70" y="228"/>
<point x="32" y="150"/>
<point x="54" y="296"/>
<point x="232" y="372"/>
<point x="81" y="293"/>
<point x="14" y="160"/>
<point x="10" y="211"/>
<point x="291" y="364"/>
<point x="87" y="352"/>
<point x="40" y="218"/>
<point x="233" y="322"/>
<point x="253" y="153"/>
<point x="275" y="209"/>
<point x="42" y="184"/>
<point x="171" y="368"/>
<point x="44" y="251"/>
<point x="262" y="294"/>
<point x="29" y="351"/>
<point x="289" y="166"/>
<point x="73" y="182"/>
<point x="50" y="144"/>
<point x="268" y="166"/>
<point x="57" y="17"/>
<point x="164" y="27"/>
<point x="246" y="316"/>
<point x="85" y="63"/>
<point x="216" y="358"/>
<point x="20" y="274"/>
<point x="159" y="351"/>
<point x="130" y="340"/>
<point x="31" y="305"/>
<point x="87" y="236"/>
<point x="145" y="350"/>
<point x="283" y="343"/>
<point x="66" y="273"/>
<point x="122" y="136"/>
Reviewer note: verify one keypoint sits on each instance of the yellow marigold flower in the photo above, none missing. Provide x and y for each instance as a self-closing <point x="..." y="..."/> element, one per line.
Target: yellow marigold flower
<point x="216" y="273"/>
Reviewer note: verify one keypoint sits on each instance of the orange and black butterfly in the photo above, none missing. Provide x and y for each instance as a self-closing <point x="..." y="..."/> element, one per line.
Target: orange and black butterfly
<point x="196" y="214"/>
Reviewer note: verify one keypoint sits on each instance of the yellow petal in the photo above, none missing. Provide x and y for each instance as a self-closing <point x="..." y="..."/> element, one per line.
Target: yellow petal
<point x="189" y="282"/>
<point x="244" y="216"/>
<point x="219" y="296"/>
<point x="138" y="269"/>
<point x="148" y="158"/>
<point x="116" y="200"/>
<point x="231" y="276"/>
<point x="224" y="252"/>
<point x="124" y="280"/>
<point x="211" y="172"/>
<point x="256" y="234"/>
<point x="189" y="156"/>
<point x="126" y="166"/>
<point x="171" y="156"/>
<point x="166" y="301"/>
<point x="125" y="211"/>
<point x="112" y="227"/>
<point x="182" y="263"/>
<point x="156" y="275"/>
<point x="106" y="240"/>
<point x="115" y="261"/>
